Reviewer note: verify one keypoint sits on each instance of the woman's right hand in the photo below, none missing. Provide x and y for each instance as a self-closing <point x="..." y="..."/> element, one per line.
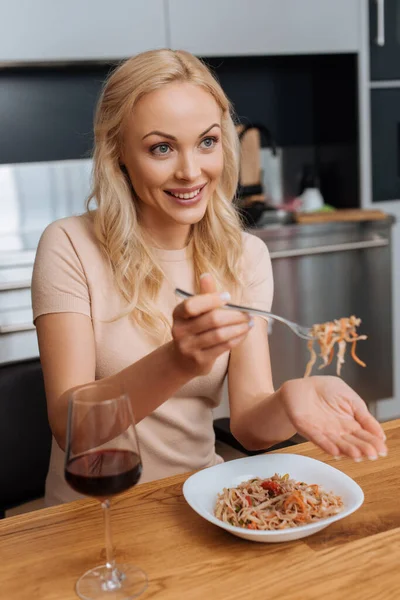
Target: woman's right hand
<point x="202" y="329"/>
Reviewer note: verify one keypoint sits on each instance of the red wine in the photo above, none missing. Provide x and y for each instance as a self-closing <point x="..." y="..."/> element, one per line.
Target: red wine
<point x="103" y="473"/>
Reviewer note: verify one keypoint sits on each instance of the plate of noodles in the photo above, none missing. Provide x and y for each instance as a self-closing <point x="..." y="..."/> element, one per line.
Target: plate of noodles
<point x="272" y="497"/>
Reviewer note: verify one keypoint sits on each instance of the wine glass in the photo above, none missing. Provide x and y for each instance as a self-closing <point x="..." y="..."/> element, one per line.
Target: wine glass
<point x="103" y="459"/>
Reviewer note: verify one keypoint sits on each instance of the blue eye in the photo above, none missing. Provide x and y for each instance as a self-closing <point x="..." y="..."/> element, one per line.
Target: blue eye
<point x="209" y="142"/>
<point x="161" y="149"/>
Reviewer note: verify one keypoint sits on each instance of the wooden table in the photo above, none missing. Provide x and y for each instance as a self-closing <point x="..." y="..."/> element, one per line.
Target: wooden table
<point x="43" y="553"/>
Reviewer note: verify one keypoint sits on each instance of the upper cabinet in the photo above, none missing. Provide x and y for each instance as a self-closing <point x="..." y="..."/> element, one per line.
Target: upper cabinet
<point x="56" y="30"/>
<point x="384" y="19"/>
<point x="251" y="27"/>
<point x="51" y="30"/>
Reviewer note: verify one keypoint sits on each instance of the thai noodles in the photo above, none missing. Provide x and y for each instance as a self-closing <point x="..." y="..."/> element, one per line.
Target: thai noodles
<point x="275" y="503"/>
<point x="340" y="332"/>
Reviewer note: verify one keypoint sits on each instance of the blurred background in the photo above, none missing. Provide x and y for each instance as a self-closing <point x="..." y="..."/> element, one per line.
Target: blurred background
<point x="315" y="85"/>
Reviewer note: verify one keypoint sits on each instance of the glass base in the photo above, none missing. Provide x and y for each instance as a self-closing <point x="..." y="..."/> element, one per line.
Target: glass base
<point x="124" y="582"/>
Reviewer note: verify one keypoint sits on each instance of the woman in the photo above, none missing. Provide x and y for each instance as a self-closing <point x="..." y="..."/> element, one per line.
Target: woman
<point x="165" y="172"/>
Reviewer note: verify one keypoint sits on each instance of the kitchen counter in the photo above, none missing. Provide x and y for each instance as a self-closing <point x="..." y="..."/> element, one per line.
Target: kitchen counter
<point x="18" y="250"/>
<point x="280" y="236"/>
<point x="44" y="552"/>
<point x="325" y="271"/>
<point x="17" y="253"/>
<point x="16" y="265"/>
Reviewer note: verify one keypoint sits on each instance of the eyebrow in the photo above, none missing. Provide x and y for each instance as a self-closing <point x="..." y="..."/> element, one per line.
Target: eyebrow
<point x="172" y="137"/>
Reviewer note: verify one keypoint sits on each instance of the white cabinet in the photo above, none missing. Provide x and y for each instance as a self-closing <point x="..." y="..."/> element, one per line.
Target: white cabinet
<point x="18" y="346"/>
<point x="251" y="27"/>
<point x="61" y="30"/>
<point x="47" y="30"/>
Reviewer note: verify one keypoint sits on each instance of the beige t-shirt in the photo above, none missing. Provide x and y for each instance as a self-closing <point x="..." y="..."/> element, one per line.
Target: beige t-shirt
<point x="71" y="275"/>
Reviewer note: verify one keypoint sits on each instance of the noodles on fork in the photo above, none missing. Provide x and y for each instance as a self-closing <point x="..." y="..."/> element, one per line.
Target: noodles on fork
<point x="340" y="331"/>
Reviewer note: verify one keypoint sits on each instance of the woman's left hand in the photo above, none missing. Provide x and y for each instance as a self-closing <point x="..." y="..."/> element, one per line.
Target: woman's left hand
<point x="329" y="413"/>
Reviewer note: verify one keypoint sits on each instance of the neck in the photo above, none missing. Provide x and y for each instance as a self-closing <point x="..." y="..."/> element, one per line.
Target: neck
<point x="169" y="238"/>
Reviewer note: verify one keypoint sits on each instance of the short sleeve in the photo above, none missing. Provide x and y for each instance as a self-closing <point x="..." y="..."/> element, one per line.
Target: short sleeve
<point x="58" y="282"/>
<point x="258" y="287"/>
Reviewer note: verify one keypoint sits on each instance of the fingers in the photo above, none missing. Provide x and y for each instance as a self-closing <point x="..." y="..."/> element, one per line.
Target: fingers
<point x="219" y="349"/>
<point x="202" y="330"/>
<point x="354" y="448"/>
<point x="372" y="440"/>
<point x="367" y="421"/>
<point x="200" y="304"/>
<point x="360" y="444"/>
<point x="218" y="318"/>
<point x="207" y="284"/>
<point x="222" y="335"/>
<point x="362" y="414"/>
<point x="323" y="441"/>
<point x="360" y="437"/>
<point x="356" y="445"/>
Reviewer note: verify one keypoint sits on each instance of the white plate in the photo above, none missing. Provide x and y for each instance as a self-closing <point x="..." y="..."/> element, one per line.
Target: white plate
<point x="201" y="489"/>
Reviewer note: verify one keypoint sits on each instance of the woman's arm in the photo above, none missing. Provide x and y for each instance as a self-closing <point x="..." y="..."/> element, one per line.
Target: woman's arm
<point x="67" y="354"/>
<point x="323" y="409"/>
<point x="201" y="332"/>
<point x="257" y="416"/>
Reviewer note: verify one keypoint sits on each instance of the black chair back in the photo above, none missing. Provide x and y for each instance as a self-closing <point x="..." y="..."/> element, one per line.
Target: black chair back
<point x="25" y="435"/>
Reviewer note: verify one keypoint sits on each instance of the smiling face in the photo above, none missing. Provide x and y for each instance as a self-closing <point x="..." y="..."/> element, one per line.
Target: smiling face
<point x="173" y="155"/>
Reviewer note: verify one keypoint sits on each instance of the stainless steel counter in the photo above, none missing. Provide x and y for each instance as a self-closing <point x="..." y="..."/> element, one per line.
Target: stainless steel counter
<point x="297" y="236"/>
<point x="328" y="271"/>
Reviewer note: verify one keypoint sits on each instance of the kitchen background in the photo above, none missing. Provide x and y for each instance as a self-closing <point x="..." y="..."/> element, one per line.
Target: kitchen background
<point x="323" y="76"/>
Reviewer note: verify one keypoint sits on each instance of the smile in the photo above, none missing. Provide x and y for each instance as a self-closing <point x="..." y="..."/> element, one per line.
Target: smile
<point x="185" y="196"/>
<point x="190" y="195"/>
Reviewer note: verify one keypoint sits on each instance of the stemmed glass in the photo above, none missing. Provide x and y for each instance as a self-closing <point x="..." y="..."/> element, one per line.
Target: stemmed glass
<point x="102" y="460"/>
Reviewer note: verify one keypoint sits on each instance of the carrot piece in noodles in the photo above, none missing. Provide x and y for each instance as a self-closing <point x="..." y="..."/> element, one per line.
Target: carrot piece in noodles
<point x="354" y="355"/>
<point x="327" y="335"/>
<point x="295" y="498"/>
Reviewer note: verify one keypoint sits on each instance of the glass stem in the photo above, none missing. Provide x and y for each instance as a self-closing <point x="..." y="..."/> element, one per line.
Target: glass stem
<point x="110" y="561"/>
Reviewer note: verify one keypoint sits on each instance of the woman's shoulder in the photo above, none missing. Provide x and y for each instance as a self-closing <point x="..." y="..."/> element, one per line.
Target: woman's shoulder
<point x="73" y="225"/>
<point x="253" y="246"/>
<point x="77" y="231"/>
<point x="70" y="241"/>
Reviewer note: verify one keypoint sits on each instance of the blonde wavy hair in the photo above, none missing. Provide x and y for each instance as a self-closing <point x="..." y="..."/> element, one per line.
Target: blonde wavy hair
<point x="216" y="240"/>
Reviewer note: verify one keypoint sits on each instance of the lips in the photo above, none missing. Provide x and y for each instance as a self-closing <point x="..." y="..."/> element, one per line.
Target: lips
<point x="186" y="193"/>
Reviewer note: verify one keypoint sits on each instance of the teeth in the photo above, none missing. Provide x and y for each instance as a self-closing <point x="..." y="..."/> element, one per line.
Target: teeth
<point x="186" y="196"/>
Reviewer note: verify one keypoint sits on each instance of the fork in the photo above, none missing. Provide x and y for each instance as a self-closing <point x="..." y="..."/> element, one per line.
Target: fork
<point x="299" y="330"/>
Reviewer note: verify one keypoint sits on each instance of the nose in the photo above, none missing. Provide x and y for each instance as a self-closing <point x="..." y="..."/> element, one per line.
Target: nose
<point x="188" y="167"/>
